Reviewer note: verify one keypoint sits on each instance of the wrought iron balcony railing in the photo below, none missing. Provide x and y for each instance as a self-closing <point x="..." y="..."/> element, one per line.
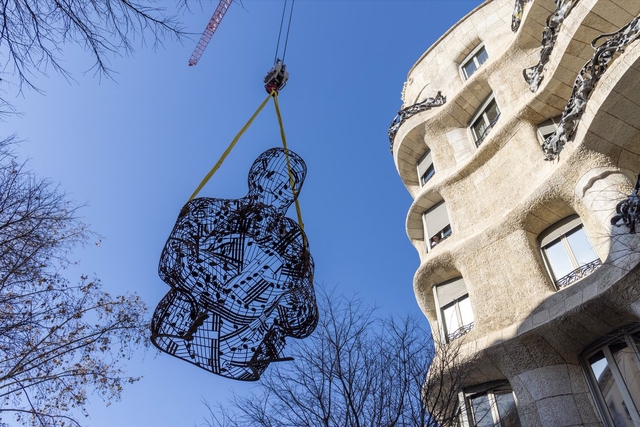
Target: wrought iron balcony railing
<point x="486" y="131"/>
<point x="463" y="330"/>
<point x="412" y="110"/>
<point x="578" y="273"/>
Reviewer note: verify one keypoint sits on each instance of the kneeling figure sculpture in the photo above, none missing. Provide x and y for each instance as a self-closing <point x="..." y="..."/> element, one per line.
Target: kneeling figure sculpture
<point x="241" y="275"/>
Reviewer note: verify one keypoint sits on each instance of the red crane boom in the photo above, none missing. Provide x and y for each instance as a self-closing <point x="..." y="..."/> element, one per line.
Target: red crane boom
<point x="218" y="14"/>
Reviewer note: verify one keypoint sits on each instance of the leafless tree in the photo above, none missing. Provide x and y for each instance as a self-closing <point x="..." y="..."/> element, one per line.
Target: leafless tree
<point x="449" y="370"/>
<point x="33" y="33"/>
<point x="58" y="340"/>
<point x="354" y="371"/>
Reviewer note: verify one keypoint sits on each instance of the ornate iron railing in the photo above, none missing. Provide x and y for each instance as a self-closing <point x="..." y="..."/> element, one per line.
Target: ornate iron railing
<point x="486" y="131"/>
<point x="578" y="274"/>
<point x="628" y="210"/>
<point x="586" y="81"/>
<point x="533" y="75"/>
<point x="463" y="330"/>
<point x="412" y="110"/>
<point x="516" y="17"/>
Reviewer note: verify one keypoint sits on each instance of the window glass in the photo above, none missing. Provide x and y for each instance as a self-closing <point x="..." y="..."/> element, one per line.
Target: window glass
<point x="549" y="127"/>
<point x="636" y="338"/>
<point x="437" y="227"/>
<point x="479" y="127"/>
<point x="598" y="366"/>
<point x="620" y="414"/>
<point x="610" y="390"/>
<point x="474" y="62"/>
<point x="486" y="117"/>
<point x="628" y="367"/>
<point x="455" y="315"/>
<point x="450" y="319"/>
<point x="482" y="411"/>
<point x="507" y="409"/>
<point x="470" y="68"/>
<point x="492" y="111"/>
<point x="547" y="134"/>
<point x="427" y="175"/>
<point x="568" y="251"/>
<point x="465" y="311"/>
<point x="495" y="407"/>
<point x="425" y="168"/>
<point x="581" y="247"/>
<point x="482" y="56"/>
<point x="559" y="259"/>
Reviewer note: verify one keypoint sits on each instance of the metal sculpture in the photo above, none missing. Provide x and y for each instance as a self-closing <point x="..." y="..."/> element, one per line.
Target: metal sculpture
<point x="516" y="17"/>
<point x="533" y="75"/>
<point x="628" y="210"/>
<point x="404" y="114"/>
<point x="586" y="81"/>
<point x="241" y="275"/>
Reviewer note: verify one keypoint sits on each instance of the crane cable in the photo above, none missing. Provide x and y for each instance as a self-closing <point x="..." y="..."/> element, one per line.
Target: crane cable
<point x="286" y="39"/>
<point x="229" y="148"/>
<point x="274" y="95"/>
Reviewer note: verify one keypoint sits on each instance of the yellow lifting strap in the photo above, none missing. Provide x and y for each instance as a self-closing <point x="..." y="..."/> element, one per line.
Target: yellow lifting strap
<point x="213" y="170"/>
<point x="286" y="153"/>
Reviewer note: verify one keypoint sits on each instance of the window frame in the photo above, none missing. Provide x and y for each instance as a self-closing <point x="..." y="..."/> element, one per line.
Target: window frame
<point x="553" y="121"/>
<point x="490" y="390"/>
<point x="458" y="288"/>
<point x="420" y="167"/>
<point x="442" y="233"/>
<point x="559" y="232"/>
<point x="482" y="113"/>
<point x="624" y="336"/>
<point x="473" y="56"/>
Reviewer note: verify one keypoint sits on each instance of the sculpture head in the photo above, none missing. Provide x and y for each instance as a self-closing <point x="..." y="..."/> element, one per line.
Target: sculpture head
<point x="271" y="179"/>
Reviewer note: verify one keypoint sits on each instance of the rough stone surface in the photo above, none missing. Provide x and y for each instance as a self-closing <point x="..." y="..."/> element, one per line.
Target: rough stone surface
<point x="559" y="411"/>
<point x="502" y="195"/>
<point x="548" y="381"/>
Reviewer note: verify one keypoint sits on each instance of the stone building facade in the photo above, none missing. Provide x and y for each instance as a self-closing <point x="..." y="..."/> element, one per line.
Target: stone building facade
<point x="518" y="257"/>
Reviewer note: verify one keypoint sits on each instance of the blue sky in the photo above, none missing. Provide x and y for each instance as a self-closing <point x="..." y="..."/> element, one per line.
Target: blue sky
<point x="134" y="150"/>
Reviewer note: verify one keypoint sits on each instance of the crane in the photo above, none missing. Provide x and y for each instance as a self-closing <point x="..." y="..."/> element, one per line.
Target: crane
<point x="218" y="14"/>
<point x="277" y="76"/>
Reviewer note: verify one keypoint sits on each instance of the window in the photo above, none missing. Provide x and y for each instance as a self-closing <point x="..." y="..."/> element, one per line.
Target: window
<point x="548" y="127"/>
<point x="436" y="224"/>
<point x="613" y="371"/>
<point x="472" y="62"/>
<point x="425" y="168"/>
<point x="456" y="316"/>
<point x="494" y="405"/>
<point x="567" y="252"/>
<point x="484" y="120"/>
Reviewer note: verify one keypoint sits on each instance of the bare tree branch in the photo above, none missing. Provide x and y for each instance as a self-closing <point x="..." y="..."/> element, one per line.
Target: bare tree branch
<point x="58" y="340"/>
<point x="33" y="34"/>
<point x="355" y="370"/>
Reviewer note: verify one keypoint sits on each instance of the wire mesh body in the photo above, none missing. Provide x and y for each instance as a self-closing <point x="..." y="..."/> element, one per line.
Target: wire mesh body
<point x="241" y="276"/>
